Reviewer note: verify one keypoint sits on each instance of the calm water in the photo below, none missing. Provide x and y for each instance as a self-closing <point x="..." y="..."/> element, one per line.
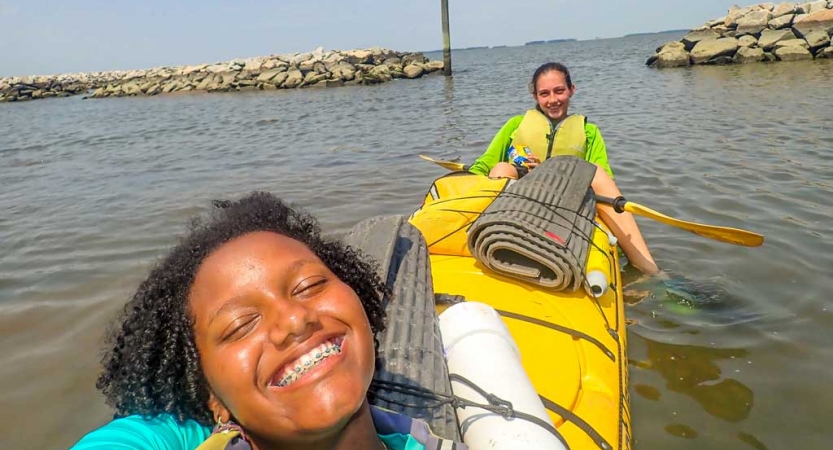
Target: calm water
<point x="92" y="192"/>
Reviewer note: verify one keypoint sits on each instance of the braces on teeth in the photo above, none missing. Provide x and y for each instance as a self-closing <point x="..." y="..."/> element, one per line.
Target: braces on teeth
<point x="305" y="367"/>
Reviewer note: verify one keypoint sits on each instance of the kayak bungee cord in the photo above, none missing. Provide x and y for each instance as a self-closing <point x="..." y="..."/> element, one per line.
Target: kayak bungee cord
<point x="495" y="403"/>
<point x="554" y="209"/>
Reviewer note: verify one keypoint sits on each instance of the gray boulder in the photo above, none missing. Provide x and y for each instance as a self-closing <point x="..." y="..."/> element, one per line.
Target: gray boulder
<point x="269" y="74"/>
<point x="793" y="43"/>
<point x="820" y="21"/>
<point x="155" y="89"/>
<point x="313" y="77"/>
<point x="714" y="22"/>
<point x="736" y="13"/>
<point x="358" y="57"/>
<point x="783" y="9"/>
<point x="205" y="83"/>
<point x="691" y="39"/>
<point x="253" y="65"/>
<point x="380" y="73"/>
<point x="747" y="41"/>
<point x="817" y="6"/>
<point x="413" y="71"/>
<point x="333" y="58"/>
<point x="217" y="68"/>
<point x="343" y="71"/>
<point x="720" y="61"/>
<point x="721" y="30"/>
<point x="294" y="79"/>
<point x="781" y="22"/>
<point x="308" y="65"/>
<point x="216" y="84"/>
<point x="799" y="16"/>
<point x="433" y="66"/>
<point x="793" y="53"/>
<point x="172" y="86"/>
<point x="328" y="83"/>
<point x="817" y="39"/>
<point x="712" y="48"/>
<point x="132" y="88"/>
<point x="228" y="77"/>
<point x="417" y="57"/>
<point x="769" y="38"/>
<point x="753" y="22"/>
<point x="749" y="55"/>
<point x="279" y="79"/>
<point x="672" y="56"/>
<point x="826" y="53"/>
<point x="669" y="45"/>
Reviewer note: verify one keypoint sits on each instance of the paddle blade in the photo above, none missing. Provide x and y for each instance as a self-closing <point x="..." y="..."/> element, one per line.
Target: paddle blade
<point x="724" y="234"/>
<point x="450" y="165"/>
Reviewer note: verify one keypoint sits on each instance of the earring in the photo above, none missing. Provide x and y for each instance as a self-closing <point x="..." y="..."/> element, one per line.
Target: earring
<point x="220" y="423"/>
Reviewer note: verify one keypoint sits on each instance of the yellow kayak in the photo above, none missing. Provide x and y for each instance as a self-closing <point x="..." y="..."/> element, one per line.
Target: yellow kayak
<point x="572" y="343"/>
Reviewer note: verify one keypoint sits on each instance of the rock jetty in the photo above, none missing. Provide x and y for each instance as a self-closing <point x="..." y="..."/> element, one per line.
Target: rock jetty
<point x="298" y="70"/>
<point x="755" y="33"/>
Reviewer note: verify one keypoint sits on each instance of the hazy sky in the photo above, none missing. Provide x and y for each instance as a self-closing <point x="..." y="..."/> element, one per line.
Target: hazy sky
<point x="58" y="36"/>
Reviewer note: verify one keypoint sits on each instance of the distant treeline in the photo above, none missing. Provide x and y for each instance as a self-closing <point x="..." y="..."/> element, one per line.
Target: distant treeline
<point x="552" y="41"/>
<point x="656" y="32"/>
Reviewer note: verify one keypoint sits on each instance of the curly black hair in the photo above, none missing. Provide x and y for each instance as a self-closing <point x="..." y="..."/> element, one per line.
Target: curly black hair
<point x="151" y="363"/>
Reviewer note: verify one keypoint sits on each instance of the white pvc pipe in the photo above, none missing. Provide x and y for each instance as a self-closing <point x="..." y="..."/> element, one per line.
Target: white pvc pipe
<point x="478" y="346"/>
<point x="597" y="283"/>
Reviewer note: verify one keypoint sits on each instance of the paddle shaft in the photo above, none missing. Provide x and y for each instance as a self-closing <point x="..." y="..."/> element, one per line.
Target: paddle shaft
<point x="724" y="234"/>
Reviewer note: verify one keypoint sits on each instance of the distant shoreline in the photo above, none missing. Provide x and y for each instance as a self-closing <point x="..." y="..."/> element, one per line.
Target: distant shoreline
<point x="551" y="41"/>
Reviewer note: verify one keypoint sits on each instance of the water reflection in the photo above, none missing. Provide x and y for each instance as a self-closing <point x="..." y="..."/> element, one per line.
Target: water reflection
<point x="692" y="371"/>
<point x="752" y="440"/>
<point x="671" y="321"/>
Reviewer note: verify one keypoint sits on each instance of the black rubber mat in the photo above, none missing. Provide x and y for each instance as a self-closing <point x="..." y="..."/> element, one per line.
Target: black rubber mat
<point x="410" y="350"/>
<point x="539" y="228"/>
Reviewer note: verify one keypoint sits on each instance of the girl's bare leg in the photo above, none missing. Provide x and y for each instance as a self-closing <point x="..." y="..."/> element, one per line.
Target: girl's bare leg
<point x="504" y="170"/>
<point x="623" y="225"/>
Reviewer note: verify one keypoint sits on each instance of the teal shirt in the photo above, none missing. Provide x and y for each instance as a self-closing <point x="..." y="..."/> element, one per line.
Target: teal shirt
<point x="163" y="432"/>
<point x="596" y="152"/>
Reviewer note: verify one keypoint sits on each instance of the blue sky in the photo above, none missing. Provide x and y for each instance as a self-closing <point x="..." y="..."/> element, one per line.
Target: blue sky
<point x="52" y="36"/>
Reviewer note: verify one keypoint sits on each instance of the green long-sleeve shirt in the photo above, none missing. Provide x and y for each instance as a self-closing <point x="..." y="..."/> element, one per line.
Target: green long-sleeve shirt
<point x="596" y="151"/>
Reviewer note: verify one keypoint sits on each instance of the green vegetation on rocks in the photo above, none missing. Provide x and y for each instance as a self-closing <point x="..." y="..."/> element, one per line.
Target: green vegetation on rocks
<point x="761" y="32"/>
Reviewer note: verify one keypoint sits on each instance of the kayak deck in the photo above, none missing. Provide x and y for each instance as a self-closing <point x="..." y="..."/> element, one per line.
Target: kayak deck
<point x="572" y="345"/>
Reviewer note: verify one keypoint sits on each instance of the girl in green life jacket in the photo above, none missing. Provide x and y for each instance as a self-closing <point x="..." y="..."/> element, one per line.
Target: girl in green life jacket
<point x="548" y="130"/>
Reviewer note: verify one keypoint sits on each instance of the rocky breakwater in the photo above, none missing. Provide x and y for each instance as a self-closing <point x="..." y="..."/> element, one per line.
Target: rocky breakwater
<point x="313" y="69"/>
<point x="763" y="32"/>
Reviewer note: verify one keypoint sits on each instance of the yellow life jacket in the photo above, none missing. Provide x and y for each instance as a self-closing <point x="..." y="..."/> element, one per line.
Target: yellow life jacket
<point x="452" y="204"/>
<point x="219" y="441"/>
<point x="546" y="140"/>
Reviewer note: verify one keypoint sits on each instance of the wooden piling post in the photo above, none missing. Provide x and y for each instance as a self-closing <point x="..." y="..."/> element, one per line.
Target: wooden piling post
<point x="446" y="40"/>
